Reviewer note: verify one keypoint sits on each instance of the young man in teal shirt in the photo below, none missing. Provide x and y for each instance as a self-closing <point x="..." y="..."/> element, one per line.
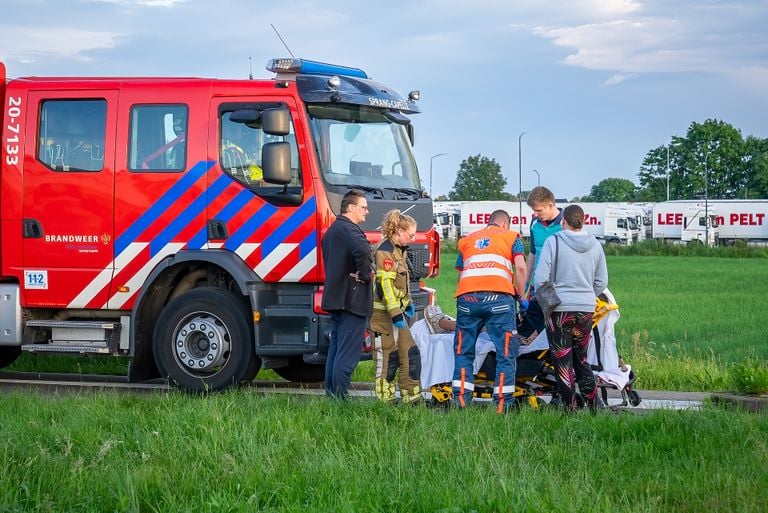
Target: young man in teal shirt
<point x="546" y="223"/>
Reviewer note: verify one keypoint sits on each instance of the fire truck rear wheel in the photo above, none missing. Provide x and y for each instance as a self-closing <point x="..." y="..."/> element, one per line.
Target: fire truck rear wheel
<point x="203" y="341"/>
<point x="300" y="371"/>
<point x="8" y="355"/>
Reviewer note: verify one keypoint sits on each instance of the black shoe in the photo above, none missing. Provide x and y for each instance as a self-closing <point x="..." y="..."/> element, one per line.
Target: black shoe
<point x="597" y="404"/>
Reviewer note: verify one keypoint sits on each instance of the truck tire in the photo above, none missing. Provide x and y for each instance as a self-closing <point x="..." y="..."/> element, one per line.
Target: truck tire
<point x="299" y="371"/>
<point x="203" y="341"/>
<point x="8" y="355"/>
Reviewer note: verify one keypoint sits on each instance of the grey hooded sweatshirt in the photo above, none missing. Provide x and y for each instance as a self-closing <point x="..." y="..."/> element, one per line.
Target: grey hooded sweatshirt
<point x="581" y="270"/>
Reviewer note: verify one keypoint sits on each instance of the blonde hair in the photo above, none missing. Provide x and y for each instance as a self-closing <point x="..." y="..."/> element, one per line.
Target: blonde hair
<point x="395" y="220"/>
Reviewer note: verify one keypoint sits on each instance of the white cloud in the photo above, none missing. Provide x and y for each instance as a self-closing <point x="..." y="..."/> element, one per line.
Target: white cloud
<point x="29" y="43"/>
<point x="696" y="38"/>
<point x="619" y="78"/>
<point x="147" y="3"/>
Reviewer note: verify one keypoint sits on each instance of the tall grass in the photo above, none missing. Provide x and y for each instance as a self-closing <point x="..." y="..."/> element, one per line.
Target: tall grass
<point x="657" y="247"/>
<point x="242" y="452"/>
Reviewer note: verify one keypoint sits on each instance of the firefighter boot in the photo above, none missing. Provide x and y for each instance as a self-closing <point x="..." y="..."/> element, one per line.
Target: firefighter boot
<point x="385" y="390"/>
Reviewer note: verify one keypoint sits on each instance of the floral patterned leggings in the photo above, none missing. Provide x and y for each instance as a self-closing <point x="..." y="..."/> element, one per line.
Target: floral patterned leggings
<point x="569" y="334"/>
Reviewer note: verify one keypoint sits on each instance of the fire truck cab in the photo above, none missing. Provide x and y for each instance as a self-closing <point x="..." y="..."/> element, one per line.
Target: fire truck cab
<point x="177" y="221"/>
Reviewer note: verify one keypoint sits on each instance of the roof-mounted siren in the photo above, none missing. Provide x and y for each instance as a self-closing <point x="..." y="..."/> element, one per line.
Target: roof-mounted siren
<point x="288" y="68"/>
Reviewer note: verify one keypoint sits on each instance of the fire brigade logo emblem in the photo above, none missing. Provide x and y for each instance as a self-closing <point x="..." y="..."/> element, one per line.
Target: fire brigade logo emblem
<point x="388" y="264"/>
<point x="482" y="243"/>
<point x="105" y="238"/>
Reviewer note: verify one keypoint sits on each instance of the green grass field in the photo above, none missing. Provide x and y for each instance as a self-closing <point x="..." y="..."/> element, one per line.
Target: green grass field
<point x="244" y="452"/>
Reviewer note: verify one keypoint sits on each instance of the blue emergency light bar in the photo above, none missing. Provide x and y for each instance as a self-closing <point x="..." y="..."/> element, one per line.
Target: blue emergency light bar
<point x="307" y="67"/>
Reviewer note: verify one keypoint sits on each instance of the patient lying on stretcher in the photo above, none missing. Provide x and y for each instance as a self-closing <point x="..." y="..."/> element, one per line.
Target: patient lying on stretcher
<point x="434" y="336"/>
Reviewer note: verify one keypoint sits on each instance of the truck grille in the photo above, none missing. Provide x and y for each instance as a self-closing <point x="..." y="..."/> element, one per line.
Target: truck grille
<point x="418" y="261"/>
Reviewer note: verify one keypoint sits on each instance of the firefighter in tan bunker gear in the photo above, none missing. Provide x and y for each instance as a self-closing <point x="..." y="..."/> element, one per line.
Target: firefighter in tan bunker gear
<point x="394" y="346"/>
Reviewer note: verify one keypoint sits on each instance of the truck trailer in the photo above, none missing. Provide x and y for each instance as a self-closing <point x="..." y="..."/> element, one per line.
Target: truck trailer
<point x="609" y="222"/>
<point x="732" y="220"/>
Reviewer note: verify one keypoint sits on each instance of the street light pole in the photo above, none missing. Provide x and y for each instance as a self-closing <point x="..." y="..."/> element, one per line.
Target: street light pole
<point x="520" y="181"/>
<point x="538" y="177"/>
<point x="430" y="170"/>
<point x="706" y="200"/>
<point x="667" y="172"/>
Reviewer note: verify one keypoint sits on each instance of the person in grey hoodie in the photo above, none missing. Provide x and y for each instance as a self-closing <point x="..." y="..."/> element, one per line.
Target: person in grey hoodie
<point x="581" y="276"/>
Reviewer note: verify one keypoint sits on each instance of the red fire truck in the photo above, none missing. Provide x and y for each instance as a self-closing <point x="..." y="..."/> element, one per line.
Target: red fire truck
<point x="177" y="221"/>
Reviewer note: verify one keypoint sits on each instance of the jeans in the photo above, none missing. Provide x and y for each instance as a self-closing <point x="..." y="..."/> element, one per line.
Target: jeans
<point x="495" y="312"/>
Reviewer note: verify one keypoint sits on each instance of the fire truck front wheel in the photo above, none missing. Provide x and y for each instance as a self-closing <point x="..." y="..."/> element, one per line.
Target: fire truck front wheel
<point x="203" y="341"/>
<point x="8" y="355"/>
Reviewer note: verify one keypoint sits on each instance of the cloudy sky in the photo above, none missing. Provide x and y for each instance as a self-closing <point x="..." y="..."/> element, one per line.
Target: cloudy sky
<point x="595" y="84"/>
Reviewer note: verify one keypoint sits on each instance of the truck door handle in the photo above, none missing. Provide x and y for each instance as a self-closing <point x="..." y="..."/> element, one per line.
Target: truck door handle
<point x="217" y="230"/>
<point x="32" y="229"/>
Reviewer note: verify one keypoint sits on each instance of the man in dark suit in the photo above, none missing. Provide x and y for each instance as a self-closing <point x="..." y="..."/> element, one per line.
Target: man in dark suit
<point x="347" y="293"/>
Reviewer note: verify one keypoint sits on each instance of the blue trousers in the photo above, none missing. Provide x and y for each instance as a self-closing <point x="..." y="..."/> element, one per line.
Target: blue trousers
<point x="346" y="345"/>
<point x="495" y="312"/>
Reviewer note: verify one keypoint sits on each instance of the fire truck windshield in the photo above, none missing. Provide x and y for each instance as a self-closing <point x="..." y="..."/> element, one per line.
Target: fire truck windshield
<point x="360" y="146"/>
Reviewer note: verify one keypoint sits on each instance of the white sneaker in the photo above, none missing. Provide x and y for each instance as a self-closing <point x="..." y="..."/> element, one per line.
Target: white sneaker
<point x="433" y="315"/>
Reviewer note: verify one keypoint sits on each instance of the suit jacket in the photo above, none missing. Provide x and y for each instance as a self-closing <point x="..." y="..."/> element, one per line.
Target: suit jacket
<point x="346" y="251"/>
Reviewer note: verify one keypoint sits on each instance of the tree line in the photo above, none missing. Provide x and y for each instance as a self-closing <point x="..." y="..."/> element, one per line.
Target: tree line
<point x="713" y="159"/>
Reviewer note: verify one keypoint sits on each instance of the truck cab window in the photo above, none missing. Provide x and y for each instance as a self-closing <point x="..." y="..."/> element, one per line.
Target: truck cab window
<point x="158" y="138"/>
<point x="359" y="146"/>
<point x="241" y="146"/>
<point x="72" y="134"/>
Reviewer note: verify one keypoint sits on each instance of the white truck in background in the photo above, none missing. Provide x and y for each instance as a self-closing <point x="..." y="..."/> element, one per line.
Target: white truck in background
<point x="447" y="219"/>
<point x="730" y="221"/>
<point x="700" y="225"/>
<point x="477" y="214"/>
<point x="609" y="223"/>
<point x="642" y="213"/>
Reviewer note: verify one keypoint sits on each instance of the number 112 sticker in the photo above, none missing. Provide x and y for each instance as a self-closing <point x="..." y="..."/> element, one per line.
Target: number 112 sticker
<point x="36" y="280"/>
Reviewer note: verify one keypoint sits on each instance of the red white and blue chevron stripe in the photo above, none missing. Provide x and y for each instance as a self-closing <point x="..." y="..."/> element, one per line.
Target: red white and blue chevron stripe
<point x="278" y="243"/>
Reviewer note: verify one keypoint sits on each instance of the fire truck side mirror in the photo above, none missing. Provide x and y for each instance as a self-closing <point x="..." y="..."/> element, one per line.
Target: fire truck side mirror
<point x="276" y="162"/>
<point x="276" y="121"/>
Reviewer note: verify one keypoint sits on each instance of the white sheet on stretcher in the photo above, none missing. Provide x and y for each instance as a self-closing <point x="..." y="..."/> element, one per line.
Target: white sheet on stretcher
<point x="437" y="353"/>
<point x="437" y="358"/>
<point x="609" y="356"/>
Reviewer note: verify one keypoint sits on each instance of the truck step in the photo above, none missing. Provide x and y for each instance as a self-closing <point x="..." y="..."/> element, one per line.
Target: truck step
<point x="66" y="348"/>
<point x="95" y="325"/>
<point x="78" y="333"/>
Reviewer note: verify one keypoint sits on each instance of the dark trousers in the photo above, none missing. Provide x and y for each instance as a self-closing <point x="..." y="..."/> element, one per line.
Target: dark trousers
<point x="569" y="334"/>
<point x="347" y="332"/>
<point x="531" y="320"/>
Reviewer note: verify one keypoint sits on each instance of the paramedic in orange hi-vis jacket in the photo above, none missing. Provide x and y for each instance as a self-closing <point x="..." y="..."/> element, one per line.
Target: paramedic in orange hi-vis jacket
<point x="491" y="265"/>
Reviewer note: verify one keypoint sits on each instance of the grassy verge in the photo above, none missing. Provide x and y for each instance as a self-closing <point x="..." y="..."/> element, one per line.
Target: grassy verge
<point x="656" y="247"/>
<point x="240" y="451"/>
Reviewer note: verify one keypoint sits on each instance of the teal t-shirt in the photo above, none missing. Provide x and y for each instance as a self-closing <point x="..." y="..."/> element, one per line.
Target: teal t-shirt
<point x="540" y="230"/>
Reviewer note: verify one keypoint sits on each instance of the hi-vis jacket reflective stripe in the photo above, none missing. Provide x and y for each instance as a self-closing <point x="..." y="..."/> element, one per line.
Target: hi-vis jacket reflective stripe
<point x="487" y="261"/>
<point x="392" y="278"/>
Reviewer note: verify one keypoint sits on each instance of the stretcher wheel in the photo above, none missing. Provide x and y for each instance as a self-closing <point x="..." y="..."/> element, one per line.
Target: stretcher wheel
<point x="634" y="397"/>
<point x="535" y="403"/>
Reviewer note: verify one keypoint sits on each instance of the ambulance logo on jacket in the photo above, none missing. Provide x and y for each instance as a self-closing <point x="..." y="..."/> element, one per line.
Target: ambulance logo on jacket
<point x="482" y="243"/>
